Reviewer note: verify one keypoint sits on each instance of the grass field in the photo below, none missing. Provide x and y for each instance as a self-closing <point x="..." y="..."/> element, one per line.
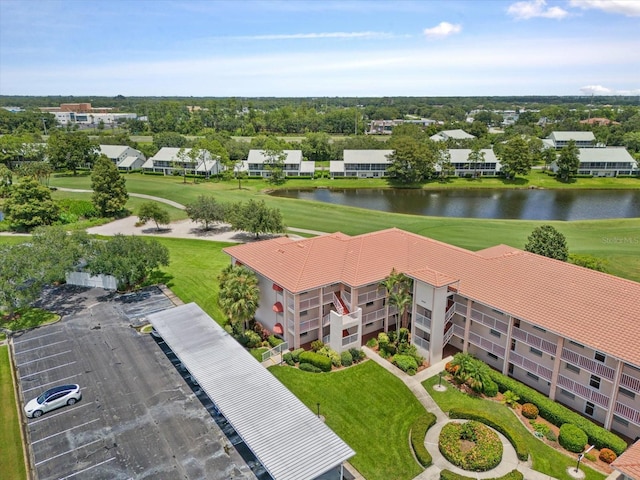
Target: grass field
<point x="545" y="459"/>
<point x="11" y="457"/>
<point x="368" y="408"/>
<point x="615" y="240"/>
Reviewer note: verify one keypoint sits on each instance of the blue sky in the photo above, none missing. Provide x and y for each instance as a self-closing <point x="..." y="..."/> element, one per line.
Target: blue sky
<point x="319" y="47"/>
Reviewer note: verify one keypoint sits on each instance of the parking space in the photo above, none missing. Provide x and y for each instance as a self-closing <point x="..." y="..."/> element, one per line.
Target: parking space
<point x="138" y="417"/>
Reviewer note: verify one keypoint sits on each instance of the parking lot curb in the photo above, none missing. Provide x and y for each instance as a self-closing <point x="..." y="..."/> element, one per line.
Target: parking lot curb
<point x="170" y="295"/>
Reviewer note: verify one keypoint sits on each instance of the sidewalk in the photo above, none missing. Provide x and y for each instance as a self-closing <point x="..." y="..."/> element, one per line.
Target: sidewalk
<point x="414" y="383"/>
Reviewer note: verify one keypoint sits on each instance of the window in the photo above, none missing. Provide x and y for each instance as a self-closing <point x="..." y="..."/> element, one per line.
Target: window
<point x="516" y="322"/>
<point x="491" y="355"/>
<point x="511" y="369"/>
<point x="532" y="376"/>
<point x="621" y="421"/>
<point x="567" y="394"/>
<point x="589" y="408"/>
<point x="495" y="333"/>
<point x="369" y="304"/>
<point x="572" y="368"/>
<point x="627" y="393"/>
<point x="595" y="382"/>
<point x="600" y="357"/>
<point x="513" y="344"/>
<point x="304" y="313"/>
<point x="535" y="351"/>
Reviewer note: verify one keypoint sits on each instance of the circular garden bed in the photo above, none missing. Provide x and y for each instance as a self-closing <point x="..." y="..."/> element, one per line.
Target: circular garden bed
<point x="470" y="445"/>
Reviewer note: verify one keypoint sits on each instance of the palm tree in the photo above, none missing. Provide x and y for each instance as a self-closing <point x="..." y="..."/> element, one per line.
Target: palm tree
<point x="389" y="285"/>
<point x="239" y="294"/>
<point x="402" y="301"/>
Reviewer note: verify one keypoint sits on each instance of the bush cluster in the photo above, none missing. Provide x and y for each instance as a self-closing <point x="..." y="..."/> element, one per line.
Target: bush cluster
<point x="490" y="388"/>
<point x="317" y="360"/>
<point x="485" y="455"/>
<point x="512" y="435"/>
<point x="607" y="455"/>
<point x="406" y="363"/>
<point x="331" y="354"/>
<point x="372" y="343"/>
<point x="78" y="208"/>
<point x="418" y="431"/>
<point x="250" y="339"/>
<point x="346" y="359"/>
<point x="529" y="410"/>
<point x="572" y="438"/>
<point x="559" y="415"/>
<point x="274" y="341"/>
<point x="357" y="354"/>
<point x="449" y="475"/>
<point x="307" y="367"/>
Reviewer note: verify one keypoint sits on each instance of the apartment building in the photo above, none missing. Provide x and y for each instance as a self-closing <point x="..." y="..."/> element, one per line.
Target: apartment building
<point x="171" y="159"/>
<point x="605" y="162"/>
<point x="123" y="156"/>
<point x="457" y="134"/>
<point x="257" y="164"/>
<point x="362" y="164"/>
<point x="464" y="167"/>
<point x="581" y="139"/>
<point x="569" y="332"/>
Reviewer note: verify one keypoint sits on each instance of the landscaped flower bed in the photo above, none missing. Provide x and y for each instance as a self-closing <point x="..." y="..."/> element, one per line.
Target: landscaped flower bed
<point x="470" y="445"/>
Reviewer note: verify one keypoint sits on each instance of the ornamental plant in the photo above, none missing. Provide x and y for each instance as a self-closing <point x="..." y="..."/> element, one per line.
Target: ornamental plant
<point x="607" y="455"/>
<point x="572" y="438"/>
<point x="529" y="410"/>
<point x="484" y="453"/>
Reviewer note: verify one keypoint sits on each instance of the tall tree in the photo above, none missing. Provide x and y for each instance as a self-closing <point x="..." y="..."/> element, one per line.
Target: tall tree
<point x="206" y="210"/>
<point x="21" y="278"/>
<point x="153" y="211"/>
<point x="255" y="217"/>
<point x="413" y="160"/>
<point x="40" y="171"/>
<point x="389" y="284"/>
<point x="71" y="150"/>
<point x="515" y="157"/>
<point x="476" y="156"/>
<point x="109" y="189"/>
<point x="30" y="205"/>
<point x="274" y="162"/>
<point x="239" y="294"/>
<point x="568" y="161"/>
<point x="549" y="242"/>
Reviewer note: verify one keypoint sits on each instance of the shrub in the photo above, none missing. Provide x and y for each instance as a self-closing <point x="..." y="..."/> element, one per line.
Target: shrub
<point x="512" y="435"/>
<point x="529" y="410"/>
<point x="418" y="431"/>
<point x="79" y="208"/>
<point x="558" y="414"/>
<point x="251" y="339"/>
<point x="490" y="388"/>
<point x="406" y="363"/>
<point x="357" y="354"/>
<point x="317" y="345"/>
<point x="607" y="455"/>
<point x="541" y="428"/>
<point x="551" y="436"/>
<point x="383" y="341"/>
<point x="307" y="367"/>
<point x="295" y="355"/>
<point x="288" y="359"/>
<point x="449" y="475"/>
<point x="484" y="455"/>
<point x="317" y="360"/>
<point x="591" y="457"/>
<point x="372" y="343"/>
<point x="274" y="341"/>
<point x="331" y="354"/>
<point x="572" y="438"/>
<point x="346" y="359"/>
<point x="510" y="398"/>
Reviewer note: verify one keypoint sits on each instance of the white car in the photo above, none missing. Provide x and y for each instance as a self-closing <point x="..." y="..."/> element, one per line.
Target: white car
<point x="53" y="398"/>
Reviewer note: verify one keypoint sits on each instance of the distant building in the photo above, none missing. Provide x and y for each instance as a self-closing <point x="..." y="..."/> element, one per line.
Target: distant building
<point x="294" y="166"/>
<point x="168" y="161"/>
<point x="457" y="134"/>
<point x="362" y="164"/>
<point x="84" y="114"/>
<point x="604" y="162"/>
<point x="123" y="156"/>
<point x="463" y="167"/>
<point x="599" y="121"/>
<point x="581" y="139"/>
<point x="385" y="127"/>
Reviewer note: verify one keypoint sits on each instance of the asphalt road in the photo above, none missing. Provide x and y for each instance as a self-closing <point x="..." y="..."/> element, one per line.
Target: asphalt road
<point x="138" y="417"/>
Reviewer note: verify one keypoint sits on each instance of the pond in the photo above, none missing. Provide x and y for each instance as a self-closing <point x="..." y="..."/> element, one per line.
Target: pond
<point x="524" y="204"/>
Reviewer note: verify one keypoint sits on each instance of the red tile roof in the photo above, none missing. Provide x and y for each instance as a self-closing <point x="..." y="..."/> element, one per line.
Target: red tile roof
<point x="589" y="307"/>
<point x="629" y="462"/>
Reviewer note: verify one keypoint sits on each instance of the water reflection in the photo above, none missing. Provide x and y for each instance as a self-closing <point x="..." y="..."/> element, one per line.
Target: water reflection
<point x="484" y="203"/>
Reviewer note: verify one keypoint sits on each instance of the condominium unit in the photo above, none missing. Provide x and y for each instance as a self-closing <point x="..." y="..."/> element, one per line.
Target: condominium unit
<point x="581" y="139"/>
<point x="457" y="134"/>
<point x="170" y="160"/>
<point x="123" y="156"/>
<point x="258" y="164"/>
<point x="460" y="161"/>
<point x="605" y="162"/>
<point x="361" y="163"/>
<point x="569" y="332"/>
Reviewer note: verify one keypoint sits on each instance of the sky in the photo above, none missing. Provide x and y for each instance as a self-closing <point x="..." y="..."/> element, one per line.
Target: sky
<point x="311" y="48"/>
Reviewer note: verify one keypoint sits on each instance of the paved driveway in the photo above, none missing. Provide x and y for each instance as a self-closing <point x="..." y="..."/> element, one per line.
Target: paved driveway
<point x="138" y="418"/>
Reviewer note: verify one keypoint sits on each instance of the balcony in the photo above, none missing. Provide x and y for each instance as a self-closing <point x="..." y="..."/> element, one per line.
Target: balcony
<point x="420" y="342"/>
<point x="632" y="383"/>
<point x="309" y="325"/>
<point x="483" y="343"/>
<point x="489" y="321"/>
<point x="350" y="339"/>
<point x="449" y="313"/>
<point x="372" y="317"/>
<point x="448" y="333"/>
<point x="627" y="413"/>
<point x="530" y="366"/>
<point x="582" y="391"/>
<point x="372" y="296"/>
<point x="534" y="341"/>
<point x="423" y="322"/>
<point x="588" y="364"/>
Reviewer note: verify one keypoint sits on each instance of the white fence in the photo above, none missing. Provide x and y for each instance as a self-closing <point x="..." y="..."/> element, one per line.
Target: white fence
<point x="84" y="279"/>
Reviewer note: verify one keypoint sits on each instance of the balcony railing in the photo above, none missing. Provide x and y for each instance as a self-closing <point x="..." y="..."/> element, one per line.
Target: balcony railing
<point x="309" y="325"/>
<point x="450" y="312"/>
<point x="630" y="382"/>
<point x="420" y="342"/>
<point x="460" y="308"/>
<point x="530" y="365"/>
<point x="485" y="344"/>
<point x="588" y="364"/>
<point x="627" y="412"/>
<point x="326" y="339"/>
<point x="373" y="316"/>
<point x="326" y="320"/>
<point x="371" y="296"/>
<point x="346" y="298"/>
<point x="447" y="335"/>
<point x="458" y="331"/>
<point x="423" y="322"/>
<point x="349" y="339"/>
<point x="534" y="341"/>
<point x="308" y="303"/>
<point x="582" y="391"/>
<point x="489" y="321"/>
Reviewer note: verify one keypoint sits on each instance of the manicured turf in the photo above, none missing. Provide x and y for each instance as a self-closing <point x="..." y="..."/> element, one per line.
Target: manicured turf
<point x="11" y="457"/>
<point x="545" y="459"/>
<point x="369" y="408"/>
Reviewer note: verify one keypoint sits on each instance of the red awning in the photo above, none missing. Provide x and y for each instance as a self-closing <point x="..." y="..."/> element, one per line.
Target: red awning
<point x="238" y="264"/>
<point x="277" y="288"/>
<point x="277" y="329"/>
<point x="345" y="333"/>
<point x="277" y="307"/>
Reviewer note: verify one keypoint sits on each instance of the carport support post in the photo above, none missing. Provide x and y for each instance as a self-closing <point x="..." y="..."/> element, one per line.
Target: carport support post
<point x="318" y="409"/>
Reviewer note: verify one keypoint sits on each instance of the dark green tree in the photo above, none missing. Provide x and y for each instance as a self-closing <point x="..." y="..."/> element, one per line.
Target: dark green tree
<point x="568" y="161"/>
<point x="169" y="139"/>
<point x="71" y="150"/>
<point x="317" y="147"/>
<point x="274" y="162"/>
<point x="515" y="157"/>
<point x="21" y="279"/>
<point x="109" y="189"/>
<point x="30" y="205"/>
<point x="153" y="211"/>
<point x="239" y="294"/>
<point x="412" y="161"/>
<point x="206" y="210"/>
<point x="255" y="217"/>
<point x="549" y="242"/>
<point x="476" y="156"/>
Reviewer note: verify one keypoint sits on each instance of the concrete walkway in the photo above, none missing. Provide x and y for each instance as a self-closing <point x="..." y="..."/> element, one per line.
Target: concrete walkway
<point x="414" y="383"/>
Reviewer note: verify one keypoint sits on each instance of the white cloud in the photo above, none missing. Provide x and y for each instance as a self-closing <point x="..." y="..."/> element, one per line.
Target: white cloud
<point x="630" y="8"/>
<point x="600" y="90"/>
<point x="296" y="36"/>
<point x="443" y="29"/>
<point x="535" y="8"/>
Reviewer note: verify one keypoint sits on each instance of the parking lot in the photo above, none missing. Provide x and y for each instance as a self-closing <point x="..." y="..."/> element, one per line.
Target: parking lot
<point x="138" y="417"/>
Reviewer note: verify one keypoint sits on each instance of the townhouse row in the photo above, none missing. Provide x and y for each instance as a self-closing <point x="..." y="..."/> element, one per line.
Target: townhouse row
<point x="569" y="332"/>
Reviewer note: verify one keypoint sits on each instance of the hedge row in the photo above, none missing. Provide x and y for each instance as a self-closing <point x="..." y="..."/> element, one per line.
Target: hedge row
<point x="418" y="431"/>
<point x="449" y="475"/>
<point x="559" y="415"/>
<point x="506" y="430"/>
<point x="572" y="438"/>
<point x="317" y="360"/>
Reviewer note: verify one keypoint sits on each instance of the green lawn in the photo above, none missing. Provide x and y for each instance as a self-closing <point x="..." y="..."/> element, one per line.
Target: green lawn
<point x="545" y="459"/>
<point x="11" y="457"/>
<point x="369" y="408"/>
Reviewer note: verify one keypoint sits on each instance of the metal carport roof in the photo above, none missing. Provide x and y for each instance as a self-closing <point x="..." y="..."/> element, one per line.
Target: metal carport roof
<point x="288" y="439"/>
